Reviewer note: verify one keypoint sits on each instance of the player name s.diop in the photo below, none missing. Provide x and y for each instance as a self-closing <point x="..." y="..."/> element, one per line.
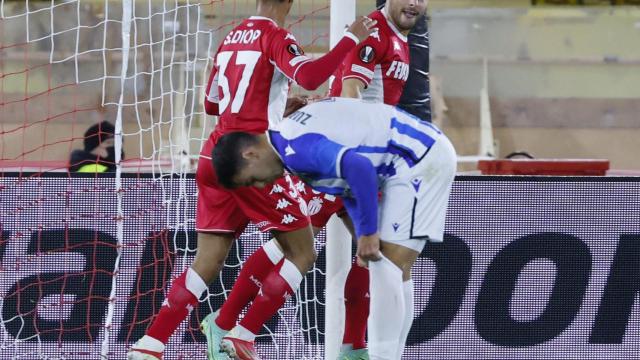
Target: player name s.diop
<point x="242" y="37"/>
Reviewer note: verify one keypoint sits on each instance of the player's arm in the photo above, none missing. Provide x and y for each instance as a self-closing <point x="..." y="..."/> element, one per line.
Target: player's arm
<point x="212" y="97"/>
<point x="363" y="205"/>
<point x="358" y="68"/>
<point x="317" y="155"/>
<point x="294" y="103"/>
<point x="310" y="74"/>
<point x="352" y="88"/>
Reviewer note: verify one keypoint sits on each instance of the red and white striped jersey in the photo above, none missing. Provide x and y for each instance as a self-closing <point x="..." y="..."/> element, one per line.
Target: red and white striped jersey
<point x="250" y="80"/>
<point x="381" y="62"/>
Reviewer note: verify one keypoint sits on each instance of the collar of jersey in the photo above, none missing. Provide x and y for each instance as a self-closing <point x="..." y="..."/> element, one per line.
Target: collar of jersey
<point x="393" y="26"/>
<point x="256" y="17"/>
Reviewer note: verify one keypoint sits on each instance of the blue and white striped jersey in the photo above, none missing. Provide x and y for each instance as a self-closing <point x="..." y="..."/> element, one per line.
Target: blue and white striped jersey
<point x="312" y="141"/>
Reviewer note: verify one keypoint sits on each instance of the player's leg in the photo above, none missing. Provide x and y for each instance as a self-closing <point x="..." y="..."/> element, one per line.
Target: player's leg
<point x="357" y="304"/>
<point x="321" y="207"/>
<point x="278" y="209"/>
<point x="262" y="261"/>
<point x="389" y="287"/>
<point x="218" y="219"/>
<point x="356" y="300"/>
<point x="283" y="281"/>
<point x="412" y="211"/>
<point x="185" y="291"/>
<point x="254" y="270"/>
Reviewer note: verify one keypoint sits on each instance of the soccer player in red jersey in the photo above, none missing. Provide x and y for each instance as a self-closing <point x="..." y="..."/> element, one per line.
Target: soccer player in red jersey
<point x="376" y="70"/>
<point x="248" y="89"/>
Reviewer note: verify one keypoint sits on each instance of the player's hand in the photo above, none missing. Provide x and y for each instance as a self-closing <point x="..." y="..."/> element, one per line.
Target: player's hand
<point x="294" y="103"/>
<point x="363" y="27"/>
<point x="369" y="248"/>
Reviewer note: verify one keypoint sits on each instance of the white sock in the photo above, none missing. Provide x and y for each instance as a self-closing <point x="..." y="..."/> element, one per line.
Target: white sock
<point x="407" y="288"/>
<point x="387" y="314"/>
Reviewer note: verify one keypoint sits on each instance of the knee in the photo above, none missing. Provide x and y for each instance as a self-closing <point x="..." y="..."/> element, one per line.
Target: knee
<point x="210" y="256"/>
<point x="304" y="260"/>
<point x="208" y="269"/>
<point x="308" y="259"/>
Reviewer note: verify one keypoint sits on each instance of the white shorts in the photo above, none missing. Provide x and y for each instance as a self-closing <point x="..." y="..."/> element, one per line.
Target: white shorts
<point x="414" y="201"/>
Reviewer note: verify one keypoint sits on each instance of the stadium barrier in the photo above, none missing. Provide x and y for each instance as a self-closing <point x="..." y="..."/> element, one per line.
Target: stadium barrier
<point x="531" y="267"/>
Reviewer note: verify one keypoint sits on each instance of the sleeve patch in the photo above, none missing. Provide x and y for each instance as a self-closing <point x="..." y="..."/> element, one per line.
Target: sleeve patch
<point x="295" y="50"/>
<point x="367" y="54"/>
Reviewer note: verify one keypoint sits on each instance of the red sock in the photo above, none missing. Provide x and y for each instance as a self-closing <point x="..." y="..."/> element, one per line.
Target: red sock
<point x="246" y="287"/>
<point x="356" y="294"/>
<point x="177" y="306"/>
<point x="277" y="287"/>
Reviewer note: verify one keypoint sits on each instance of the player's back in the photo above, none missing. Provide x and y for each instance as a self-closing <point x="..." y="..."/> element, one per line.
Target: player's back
<point x="378" y="131"/>
<point x="250" y="90"/>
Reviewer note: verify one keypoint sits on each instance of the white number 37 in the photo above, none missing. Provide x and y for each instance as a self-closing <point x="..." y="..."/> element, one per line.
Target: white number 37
<point x="247" y="58"/>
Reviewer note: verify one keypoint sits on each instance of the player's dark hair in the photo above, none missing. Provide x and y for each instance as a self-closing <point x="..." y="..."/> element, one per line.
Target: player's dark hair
<point x="227" y="156"/>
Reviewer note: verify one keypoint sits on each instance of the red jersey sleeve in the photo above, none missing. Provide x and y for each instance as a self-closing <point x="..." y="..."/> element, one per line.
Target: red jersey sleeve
<point x="290" y="59"/>
<point x="286" y="53"/>
<point x="362" y="60"/>
<point x="212" y="97"/>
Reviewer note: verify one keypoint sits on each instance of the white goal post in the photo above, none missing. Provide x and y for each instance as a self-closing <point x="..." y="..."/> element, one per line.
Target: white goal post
<point x="343" y="12"/>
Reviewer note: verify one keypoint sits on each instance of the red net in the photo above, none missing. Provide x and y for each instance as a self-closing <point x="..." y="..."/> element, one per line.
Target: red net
<point x="87" y="258"/>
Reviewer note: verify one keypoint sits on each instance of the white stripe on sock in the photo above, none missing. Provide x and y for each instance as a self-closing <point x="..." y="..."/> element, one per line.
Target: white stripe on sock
<point x="194" y="283"/>
<point x="291" y="274"/>
<point x="273" y="251"/>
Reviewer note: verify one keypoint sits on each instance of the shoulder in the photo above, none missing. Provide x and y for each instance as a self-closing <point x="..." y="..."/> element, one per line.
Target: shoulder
<point x="282" y="35"/>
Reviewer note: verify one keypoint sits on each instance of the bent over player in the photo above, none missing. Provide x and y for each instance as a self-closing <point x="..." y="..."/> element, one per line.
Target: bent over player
<point x="377" y="70"/>
<point x="248" y="90"/>
<point x="380" y="148"/>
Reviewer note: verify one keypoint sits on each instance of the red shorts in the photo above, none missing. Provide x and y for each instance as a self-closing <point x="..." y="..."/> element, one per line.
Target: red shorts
<point x="320" y="206"/>
<point x="275" y="207"/>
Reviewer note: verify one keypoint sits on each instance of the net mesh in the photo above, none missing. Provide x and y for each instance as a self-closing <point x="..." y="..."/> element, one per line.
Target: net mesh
<point x="93" y="283"/>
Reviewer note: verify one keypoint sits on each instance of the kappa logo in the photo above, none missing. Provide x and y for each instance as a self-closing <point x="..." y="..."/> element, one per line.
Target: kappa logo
<point x="277" y="189"/>
<point x="290" y="36"/>
<point x="286" y="296"/>
<point x="367" y="54"/>
<point x="282" y="204"/>
<point x="166" y="303"/>
<point x="300" y="187"/>
<point x="376" y="35"/>
<point x="395" y="227"/>
<point x="396" y="46"/>
<point x="288" y="219"/>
